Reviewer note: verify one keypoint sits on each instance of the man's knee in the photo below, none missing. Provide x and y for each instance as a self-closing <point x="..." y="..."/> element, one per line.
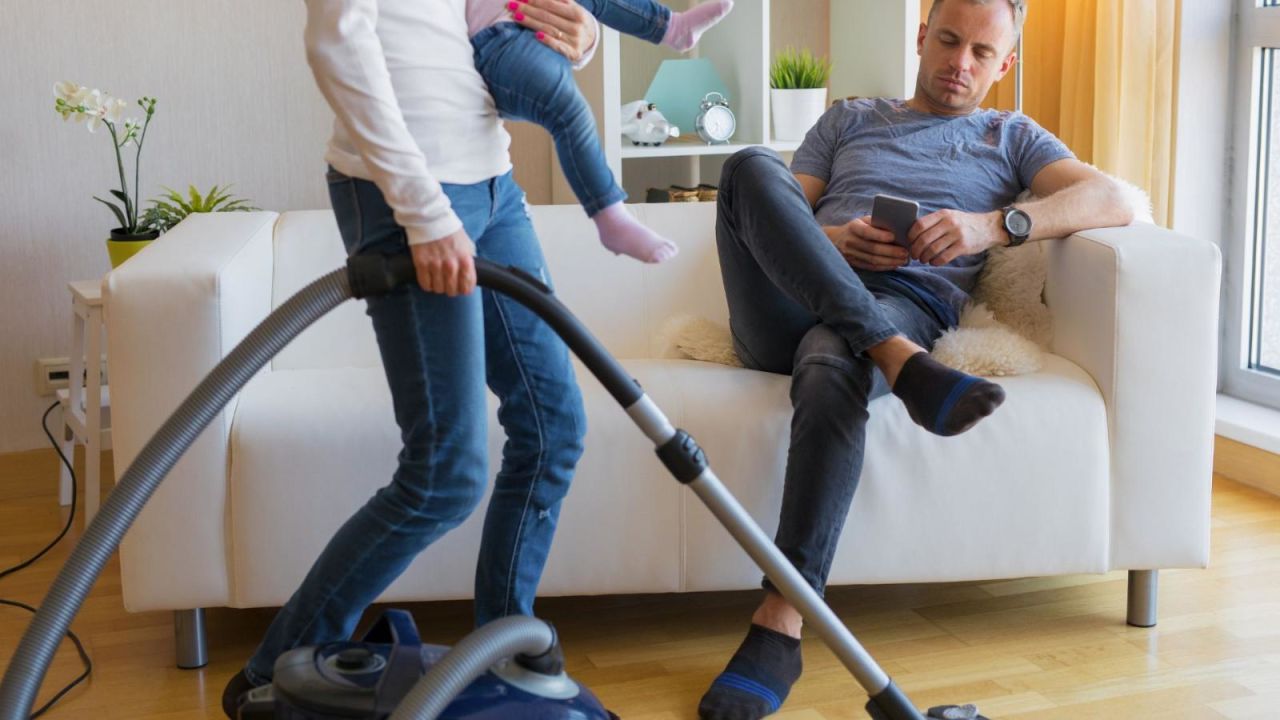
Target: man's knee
<point x="749" y="164"/>
<point x="823" y="363"/>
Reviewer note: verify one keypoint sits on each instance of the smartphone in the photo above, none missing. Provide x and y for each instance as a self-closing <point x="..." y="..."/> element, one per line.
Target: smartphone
<point x="895" y="215"/>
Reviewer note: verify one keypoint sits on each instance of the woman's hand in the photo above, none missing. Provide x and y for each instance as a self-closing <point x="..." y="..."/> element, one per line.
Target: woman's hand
<point x="561" y="24"/>
<point x="446" y="265"/>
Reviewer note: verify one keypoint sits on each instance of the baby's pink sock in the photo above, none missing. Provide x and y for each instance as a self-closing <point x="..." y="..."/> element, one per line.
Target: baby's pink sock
<point x="687" y="27"/>
<point x="625" y="235"/>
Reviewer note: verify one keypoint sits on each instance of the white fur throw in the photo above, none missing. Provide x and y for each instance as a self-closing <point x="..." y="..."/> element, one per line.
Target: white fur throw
<point x="1003" y="332"/>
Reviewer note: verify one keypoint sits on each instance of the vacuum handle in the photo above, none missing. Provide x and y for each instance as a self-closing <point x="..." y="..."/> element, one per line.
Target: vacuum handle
<point x="404" y="661"/>
<point x="395" y="627"/>
<point x="372" y="275"/>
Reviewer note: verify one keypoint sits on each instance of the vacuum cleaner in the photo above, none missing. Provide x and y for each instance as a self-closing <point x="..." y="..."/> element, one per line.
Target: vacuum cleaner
<point x="512" y="667"/>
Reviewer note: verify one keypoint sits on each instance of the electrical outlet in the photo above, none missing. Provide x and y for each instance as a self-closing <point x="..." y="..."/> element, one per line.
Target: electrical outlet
<point x="53" y="374"/>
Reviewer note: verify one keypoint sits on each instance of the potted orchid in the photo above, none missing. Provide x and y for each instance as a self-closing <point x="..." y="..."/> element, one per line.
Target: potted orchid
<point x="98" y="109"/>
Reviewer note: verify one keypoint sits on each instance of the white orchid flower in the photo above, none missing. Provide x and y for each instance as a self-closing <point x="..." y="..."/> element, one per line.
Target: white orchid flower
<point x="94" y="99"/>
<point x="96" y="117"/>
<point x="73" y="99"/>
<point x="114" y="109"/>
<point x="65" y="90"/>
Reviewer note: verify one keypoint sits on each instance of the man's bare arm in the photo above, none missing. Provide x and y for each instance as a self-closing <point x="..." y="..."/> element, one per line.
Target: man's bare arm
<point x="813" y="188"/>
<point x="1073" y="197"/>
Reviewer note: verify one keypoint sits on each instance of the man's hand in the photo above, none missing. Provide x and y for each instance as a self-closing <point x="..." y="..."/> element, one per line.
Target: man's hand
<point x="942" y="236"/>
<point x="447" y="265"/>
<point x="865" y="246"/>
<point x="561" y="24"/>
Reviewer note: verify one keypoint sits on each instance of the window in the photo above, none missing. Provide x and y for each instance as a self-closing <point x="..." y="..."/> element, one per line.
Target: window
<point x="1251" y="353"/>
<point x="1264" y="306"/>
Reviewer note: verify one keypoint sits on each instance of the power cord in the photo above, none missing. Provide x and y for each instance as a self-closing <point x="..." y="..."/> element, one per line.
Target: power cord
<point x="84" y="656"/>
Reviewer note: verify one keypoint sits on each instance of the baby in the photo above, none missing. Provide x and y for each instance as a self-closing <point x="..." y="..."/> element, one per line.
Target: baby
<point x="530" y="81"/>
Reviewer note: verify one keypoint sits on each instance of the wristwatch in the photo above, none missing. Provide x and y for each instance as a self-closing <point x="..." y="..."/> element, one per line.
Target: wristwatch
<point x="1018" y="224"/>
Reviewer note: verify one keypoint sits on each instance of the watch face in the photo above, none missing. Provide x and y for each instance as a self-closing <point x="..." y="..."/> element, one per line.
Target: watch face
<point x="718" y="122"/>
<point x="1017" y="223"/>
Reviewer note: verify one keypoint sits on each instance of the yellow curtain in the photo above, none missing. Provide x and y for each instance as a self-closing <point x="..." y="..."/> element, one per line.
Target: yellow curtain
<point x="1075" y="70"/>
<point x="1133" y="124"/>
<point x="1102" y="75"/>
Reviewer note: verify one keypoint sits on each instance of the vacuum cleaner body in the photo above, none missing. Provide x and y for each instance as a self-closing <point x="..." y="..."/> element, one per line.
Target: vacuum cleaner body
<point x="368" y="679"/>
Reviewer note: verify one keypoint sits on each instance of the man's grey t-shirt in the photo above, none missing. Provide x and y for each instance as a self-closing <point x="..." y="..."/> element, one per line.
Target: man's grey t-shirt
<point x="975" y="163"/>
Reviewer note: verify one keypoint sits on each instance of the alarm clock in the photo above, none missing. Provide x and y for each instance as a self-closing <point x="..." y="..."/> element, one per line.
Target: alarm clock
<point x="715" y="122"/>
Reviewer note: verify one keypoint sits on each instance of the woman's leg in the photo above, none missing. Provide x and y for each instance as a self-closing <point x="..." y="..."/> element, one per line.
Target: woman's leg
<point x="432" y="348"/>
<point x="540" y="408"/>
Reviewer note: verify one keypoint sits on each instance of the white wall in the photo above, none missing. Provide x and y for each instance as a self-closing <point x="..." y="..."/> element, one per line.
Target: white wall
<point x="1203" y="181"/>
<point x="236" y="105"/>
<point x="873" y="47"/>
<point x="1201" y="177"/>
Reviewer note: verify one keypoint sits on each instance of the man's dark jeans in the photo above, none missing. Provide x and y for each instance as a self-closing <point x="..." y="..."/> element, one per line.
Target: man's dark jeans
<point x="797" y="307"/>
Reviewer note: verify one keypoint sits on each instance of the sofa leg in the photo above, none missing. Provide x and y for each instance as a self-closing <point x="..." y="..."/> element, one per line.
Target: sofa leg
<point x="189" y="639"/>
<point x="1143" y="587"/>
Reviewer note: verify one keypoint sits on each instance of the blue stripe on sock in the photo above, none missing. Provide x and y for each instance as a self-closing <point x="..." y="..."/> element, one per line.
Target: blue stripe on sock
<point x="952" y="398"/>
<point x="746" y="684"/>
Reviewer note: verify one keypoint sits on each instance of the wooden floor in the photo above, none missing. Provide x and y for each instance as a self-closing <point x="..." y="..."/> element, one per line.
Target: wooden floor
<point x="1037" y="648"/>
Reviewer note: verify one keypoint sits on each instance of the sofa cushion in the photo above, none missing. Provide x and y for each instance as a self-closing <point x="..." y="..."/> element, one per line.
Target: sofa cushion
<point x="309" y="446"/>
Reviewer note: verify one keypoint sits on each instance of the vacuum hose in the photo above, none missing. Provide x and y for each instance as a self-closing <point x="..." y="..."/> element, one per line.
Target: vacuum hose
<point x="29" y="664"/>
<point x="471" y="658"/>
<point x="363" y="276"/>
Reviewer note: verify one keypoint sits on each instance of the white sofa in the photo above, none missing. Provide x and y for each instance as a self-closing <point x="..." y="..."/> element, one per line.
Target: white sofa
<point x="1100" y="461"/>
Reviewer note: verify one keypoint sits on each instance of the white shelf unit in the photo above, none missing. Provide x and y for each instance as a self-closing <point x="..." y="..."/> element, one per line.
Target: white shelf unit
<point x="741" y="50"/>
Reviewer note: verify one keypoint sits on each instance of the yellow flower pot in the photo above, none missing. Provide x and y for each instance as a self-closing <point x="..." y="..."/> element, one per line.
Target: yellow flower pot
<point x="121" y="247"/>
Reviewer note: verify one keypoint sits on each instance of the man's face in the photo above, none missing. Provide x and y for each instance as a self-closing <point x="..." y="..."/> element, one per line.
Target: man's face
<point x="963" y="52"/>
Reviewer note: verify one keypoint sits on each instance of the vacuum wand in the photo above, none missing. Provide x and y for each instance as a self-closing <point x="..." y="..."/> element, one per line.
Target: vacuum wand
<point x="678" y="451"/>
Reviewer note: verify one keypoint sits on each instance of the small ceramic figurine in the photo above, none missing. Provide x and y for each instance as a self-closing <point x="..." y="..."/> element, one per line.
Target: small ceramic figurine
<point x="643" y="124"/>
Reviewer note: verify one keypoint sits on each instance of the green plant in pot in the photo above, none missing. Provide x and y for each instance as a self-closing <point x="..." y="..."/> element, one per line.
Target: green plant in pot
<point x="798" y="94"/>
<point x="171" y="208"/>
<point x="95" y="108"/>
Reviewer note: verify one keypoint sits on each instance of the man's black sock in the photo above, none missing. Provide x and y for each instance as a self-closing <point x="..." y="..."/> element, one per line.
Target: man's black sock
<point x="757" y="679"/>
<point x="944" y="401"/>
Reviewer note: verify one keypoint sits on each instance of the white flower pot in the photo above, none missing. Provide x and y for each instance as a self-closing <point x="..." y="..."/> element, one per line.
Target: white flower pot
<point x="795" y="111"/>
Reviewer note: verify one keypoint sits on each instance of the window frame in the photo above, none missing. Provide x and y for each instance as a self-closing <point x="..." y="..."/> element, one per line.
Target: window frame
<point x="1257" y="29"/>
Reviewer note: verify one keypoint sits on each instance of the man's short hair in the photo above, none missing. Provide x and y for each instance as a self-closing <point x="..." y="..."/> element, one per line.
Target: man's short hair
<point x="1019" y="8"/>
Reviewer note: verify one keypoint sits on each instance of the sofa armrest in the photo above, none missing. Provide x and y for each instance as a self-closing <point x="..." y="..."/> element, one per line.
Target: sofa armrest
<point x="1137" y="308"/>
<point x="173" y="311"/>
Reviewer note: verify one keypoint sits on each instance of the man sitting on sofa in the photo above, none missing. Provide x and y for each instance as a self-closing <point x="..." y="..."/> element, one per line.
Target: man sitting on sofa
<point x="816" y="291"/>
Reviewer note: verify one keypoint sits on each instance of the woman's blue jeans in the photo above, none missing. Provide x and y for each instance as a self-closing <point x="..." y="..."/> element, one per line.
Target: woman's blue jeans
<point x="439" y="353"/>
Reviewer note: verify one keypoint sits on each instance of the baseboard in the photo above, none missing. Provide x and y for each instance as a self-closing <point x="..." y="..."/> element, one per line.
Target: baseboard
<point x="1247" y="465"/>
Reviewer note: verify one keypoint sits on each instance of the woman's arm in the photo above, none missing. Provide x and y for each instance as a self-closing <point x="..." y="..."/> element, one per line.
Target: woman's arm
<point x="346" y="57"/>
